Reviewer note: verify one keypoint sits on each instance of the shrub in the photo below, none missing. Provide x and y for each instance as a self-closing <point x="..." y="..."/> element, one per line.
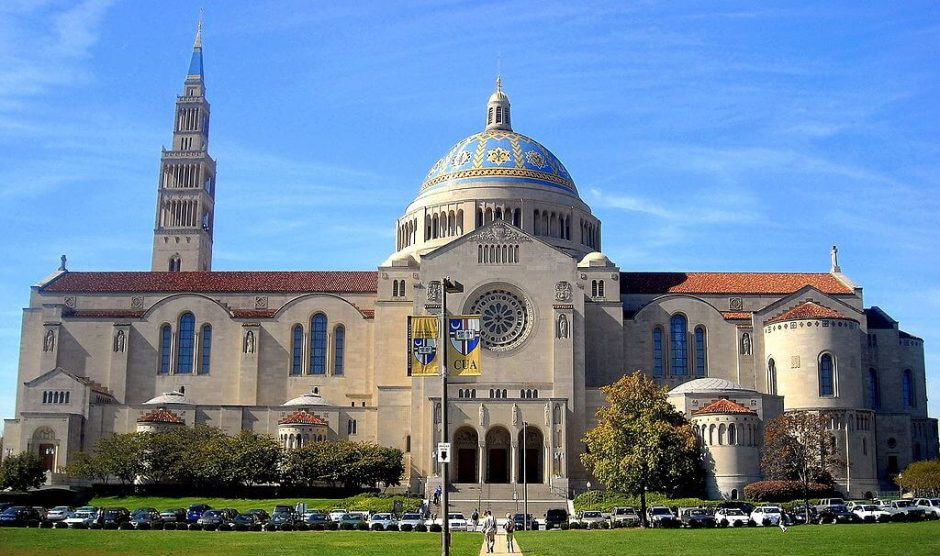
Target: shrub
<point x="224" y="527"/>
<point x="241" y="527"/>
<point x="317" y="527"/>
<point x="377" y="527"/>
<point x="346" y="526"/>
<point x="723" y="523"/>
<point x="421" y="528"/>
<point x="59" y="525"/>
<point x="34" y="523"/>
<point x="210" y="527"/>
<point x="270" y="527"/>
<point x="126" y="526"/>
<point x="302" y="527"/>
<point x="362" y="526"/>
<point x="406" y="528"/>
<point x="195" y="527"/>
<point x="256" y="527"/>
<point x="286" y="527"/>
<point x="79" y="525"/>
<point x="45" y="524"/>
<point x="782" y="491"/>
<point x="143" y="526"/>
<point x="392" y="527"/>
<point x="563" y="526"/>
<point x="110" y="526"/>
<point x="157" y="525"/>
<point x="95" y="525"/>
<point x="332" y="526"/>
<point x="435" y="528"/>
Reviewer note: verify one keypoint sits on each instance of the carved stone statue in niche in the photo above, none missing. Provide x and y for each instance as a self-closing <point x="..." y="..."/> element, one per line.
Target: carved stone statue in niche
<point x="48" y="343"/>
<point x="548" y="414"/>
<point x="515" y="415"/>
<point x="557" y="414"/>
<point x="119" y="342"/>
<point x="482" y="416"/>
<point x="746" y="344"/>
<point x="434" y="291"/>
<point x="249" y="342"/>
<point x="562" y="291"/>
<point x="437" y="413"/>
<point x="562" y="326"/>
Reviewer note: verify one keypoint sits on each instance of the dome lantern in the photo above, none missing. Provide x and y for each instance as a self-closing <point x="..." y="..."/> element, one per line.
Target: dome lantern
<point x="497" y="109"/>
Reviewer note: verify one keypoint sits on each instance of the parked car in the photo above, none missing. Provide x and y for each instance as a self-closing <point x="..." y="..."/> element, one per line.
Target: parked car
<point x="145" y="515"/>
<point x="554" y="517"/>
<point x="519" y="521"/>
<point x="799" y="512"/>
<point x="218" y="518"/>
<point x="314" y="519"/>
<point x="173" y="515"/>
<point x="116" y="516"/>
<point x="696" y="517"/>
<point x="411" y="518"/>
<point x="625" y="516"/>
<point x="246" y="519"/>
<point x="457" y="522"/>
<point x="745" y="507"/>
<point x="826" y="502"/>
<point x="766" y="515"/>
<point x="383" y="519"/>
<point x="41" y="511"/>
<point x="731" y="517"/>
<point x="311" y="511"/>
<point x="283" y="515"/>
<point x="81" y="518"/>
<point x="835" y="513"/>
<point x="59" y="513"/>
<point x="870" y="512"/>
<point x="588" y="517"/>
<point x="262" y="515"/>
<point x="660" y="516"/>
<point x="931" y="506"/>
<point x="19" y="515"/>
<point x="337" y="513"/>
<point x="195" y="511"/>
<point x="906" y="507"/>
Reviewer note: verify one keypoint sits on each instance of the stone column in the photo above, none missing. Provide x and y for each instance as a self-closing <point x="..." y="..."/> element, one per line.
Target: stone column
<point x="513" y="449"/>
<point x="482" y="465"/>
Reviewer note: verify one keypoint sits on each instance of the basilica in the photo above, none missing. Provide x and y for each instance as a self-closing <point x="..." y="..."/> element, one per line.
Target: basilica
<point x="312" y="355"/>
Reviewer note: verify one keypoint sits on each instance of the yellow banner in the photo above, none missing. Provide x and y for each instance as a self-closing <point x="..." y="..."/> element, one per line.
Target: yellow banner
<point x="423" y="356"/>
<point x="463" y="345"/>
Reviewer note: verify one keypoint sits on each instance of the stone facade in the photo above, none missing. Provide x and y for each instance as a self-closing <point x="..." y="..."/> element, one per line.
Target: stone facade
<point x="500" y="214"/>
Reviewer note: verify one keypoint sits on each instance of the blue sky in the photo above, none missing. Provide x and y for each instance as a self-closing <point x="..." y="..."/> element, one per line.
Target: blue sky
<point x="706" y="136"/>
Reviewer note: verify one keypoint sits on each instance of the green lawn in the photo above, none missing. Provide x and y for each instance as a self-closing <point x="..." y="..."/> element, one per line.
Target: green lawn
<point x="70" y="542"/>
<point x="243" y="504"/>
<point x="909" y="539"/>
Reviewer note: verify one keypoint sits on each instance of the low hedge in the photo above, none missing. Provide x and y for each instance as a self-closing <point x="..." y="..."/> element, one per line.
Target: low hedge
<point x="126" y="526"/>
<point x="195" y="527"/>
<point x="783" y="491"/>
<point x="45" y="524"/>
<point x="406" y="527"/>
<point x="362" y="526"/>
<point x="392" y="527"/>
<point x="270" y="527"/>
<point x="435" y="528"/>
<point x="421" y="528"/>
<point x="256" y="527"/>
<point x="346" y="526"/>
<point x="332" y="526"/>
<point x="377" y="527"/>
<point x="144" y="526"/>
<point x="317" y="527"/>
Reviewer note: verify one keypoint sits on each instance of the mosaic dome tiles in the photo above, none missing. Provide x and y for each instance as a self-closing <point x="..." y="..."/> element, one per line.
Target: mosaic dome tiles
<point x="503" y="155"/>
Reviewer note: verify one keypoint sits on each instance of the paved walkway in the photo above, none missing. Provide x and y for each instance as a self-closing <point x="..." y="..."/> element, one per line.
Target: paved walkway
<point x="501" y="547"/>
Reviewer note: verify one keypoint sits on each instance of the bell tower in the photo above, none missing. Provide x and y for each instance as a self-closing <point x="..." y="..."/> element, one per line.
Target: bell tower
<point x="182" y="236"/>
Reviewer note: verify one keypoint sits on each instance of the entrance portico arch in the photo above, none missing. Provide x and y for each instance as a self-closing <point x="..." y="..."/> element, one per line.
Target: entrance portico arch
<point x="531" y="444"/>
<point x="466" y="450"/>
<point x="498" y="446"/>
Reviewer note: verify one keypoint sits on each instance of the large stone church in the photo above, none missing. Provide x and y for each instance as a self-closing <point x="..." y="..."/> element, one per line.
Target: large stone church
<point x="313" y="355"/>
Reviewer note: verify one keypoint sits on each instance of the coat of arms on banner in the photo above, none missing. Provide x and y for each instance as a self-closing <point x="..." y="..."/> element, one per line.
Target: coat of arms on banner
<point x="464" y="345"/>
<point x="422" y="346"/>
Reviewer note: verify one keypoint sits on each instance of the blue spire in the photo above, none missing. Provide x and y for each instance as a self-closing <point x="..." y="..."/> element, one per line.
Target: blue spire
<point x="195" y="65"/>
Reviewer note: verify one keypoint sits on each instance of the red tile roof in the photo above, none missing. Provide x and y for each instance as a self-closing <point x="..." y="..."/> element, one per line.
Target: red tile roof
<point x="729" y="282"/>
<point x="301" y="417"/>
<point x="277" y="281"/>
<point x="724" y="407"/>
<point x="808" y="310"/>
<point x="161" y="416"/>
<point x="736" y="315"/>
<point x="368" y="313"/>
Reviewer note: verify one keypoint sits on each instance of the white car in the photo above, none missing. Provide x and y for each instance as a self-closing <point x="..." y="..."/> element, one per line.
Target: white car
<point x="733" y="516"/>
<point x="870" y="512"/>
<point x="337" y="514"/>
<point x="930" y="505"/>
<point x="84" y="517"/>
<point x="457" y="522"/>
<point x="591" y="516"/>
<point x="412" y="518"/>
<point x="770" y="513"/>
<point x="383" y="519"/>
<point x="660" y="516"/>
<point x="58" y="513"/>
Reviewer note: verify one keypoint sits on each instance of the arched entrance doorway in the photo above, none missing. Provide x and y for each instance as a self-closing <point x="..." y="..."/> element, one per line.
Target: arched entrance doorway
<point x="531" y="462"/>
<point x="47" y="447"/>
<point x="497" y="455"/>
<point x="465" y="449"/>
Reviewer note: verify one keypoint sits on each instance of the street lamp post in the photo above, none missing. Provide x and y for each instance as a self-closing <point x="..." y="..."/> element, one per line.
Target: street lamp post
<point x="447" y="286"/>
<point x="525" y="479"/>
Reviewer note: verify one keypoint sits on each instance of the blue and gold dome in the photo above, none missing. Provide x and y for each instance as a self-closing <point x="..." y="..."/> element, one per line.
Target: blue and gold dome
<point x="499" y="154"/>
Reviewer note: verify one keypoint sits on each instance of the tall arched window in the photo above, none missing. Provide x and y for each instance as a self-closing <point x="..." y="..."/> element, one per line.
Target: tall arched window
<point x="166" y="340"/>
<point x="700" y="359"/>
<point x="907" y="388"/>
<point x="185" y="343"/>
<point x="339" y="349"/>
<point x="874" y="392"/>
<point x="593" y="288"/>
<point x="679" y="348"/>
<point x="826" y="376"/>
<point x="206" y="349"/>
<point x="318" y="344"/>
<point x="600" y="288"/>
<point x="657" y="352"/>
<point x="771" y="377"/>
<point x="297" y="350"/>
<point x="732" y="435"/>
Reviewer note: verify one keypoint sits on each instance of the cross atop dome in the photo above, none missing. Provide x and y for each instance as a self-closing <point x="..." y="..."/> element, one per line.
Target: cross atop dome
<point x="497" y="109"/>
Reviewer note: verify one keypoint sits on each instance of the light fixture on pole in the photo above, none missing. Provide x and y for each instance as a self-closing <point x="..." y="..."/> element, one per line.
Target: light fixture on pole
<point x="447" y="286"/>
<point x="525" y="478"/>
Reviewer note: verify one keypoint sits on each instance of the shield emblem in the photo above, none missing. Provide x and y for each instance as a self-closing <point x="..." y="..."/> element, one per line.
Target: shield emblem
<point x="424" y="350"/>
<point x="465" y="334"/>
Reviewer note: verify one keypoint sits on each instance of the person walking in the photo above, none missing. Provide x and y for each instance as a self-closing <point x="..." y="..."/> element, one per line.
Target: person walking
<point x="475" y="519"/>
<point x="489" y="531"/>
<point x="781" y="524"/>
<point x="510" y="528"/>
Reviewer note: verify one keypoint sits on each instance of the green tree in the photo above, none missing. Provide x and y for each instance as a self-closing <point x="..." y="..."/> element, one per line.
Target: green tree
<point x="254" y="459"/>
<point x="641" y="443"/>
<point x="121" y="456"/>
<point x="922" y="478"/>
<point x="799" y="446"/>
<point x="22" y="472"/>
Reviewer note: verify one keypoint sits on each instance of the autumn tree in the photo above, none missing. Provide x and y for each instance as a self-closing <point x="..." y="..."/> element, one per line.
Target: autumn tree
<point x="641" y="443"/>
<point x="799" y="446"/>
<point x="921" y="478"/>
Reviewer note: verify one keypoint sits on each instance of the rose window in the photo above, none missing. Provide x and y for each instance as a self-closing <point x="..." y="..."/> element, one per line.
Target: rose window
<point x="503" y="319"/>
